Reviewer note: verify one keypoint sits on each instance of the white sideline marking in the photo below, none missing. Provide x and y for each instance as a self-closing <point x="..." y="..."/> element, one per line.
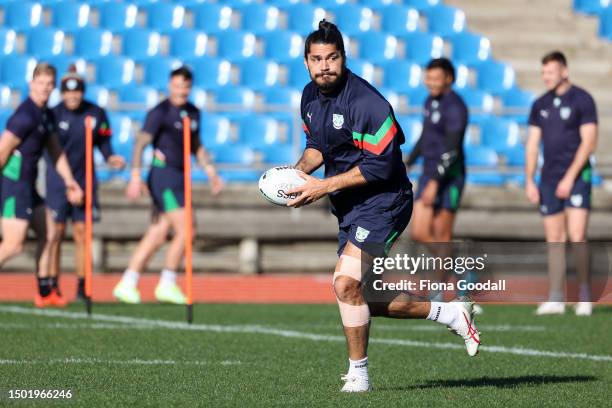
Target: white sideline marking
<point x="136" y="361"/>
<point x="255" y="329"/>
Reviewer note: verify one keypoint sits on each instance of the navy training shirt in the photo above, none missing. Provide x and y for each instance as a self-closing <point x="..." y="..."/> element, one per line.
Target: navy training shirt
<point x="356" y="126"/>
<point x="559" y="117"/>
<point x="443" y="115"/>
<point x="32" y="125"/>
<point x="70" y="126"/>
<point x="165" y="123"/>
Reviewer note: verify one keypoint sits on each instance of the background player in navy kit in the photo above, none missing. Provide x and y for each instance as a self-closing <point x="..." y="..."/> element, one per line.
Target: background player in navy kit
<point x="28" y="131"/>
<point x="441" y="145"/>
<point x="70" y="117"/>
<point x="352" y="130"/>
<point x="564" y="121"/>
<point x="164" y="128"/>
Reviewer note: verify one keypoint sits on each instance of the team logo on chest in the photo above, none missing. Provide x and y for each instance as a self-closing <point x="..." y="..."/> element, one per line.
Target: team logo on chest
<point x="435" y="117"/>
<point x="64" y="125"/>
<point x="338" y="121"/>
<point x="565" y="112"/>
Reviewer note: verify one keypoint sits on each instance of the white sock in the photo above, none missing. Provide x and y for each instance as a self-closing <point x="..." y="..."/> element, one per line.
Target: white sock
<point x="130" y="277"/>
<point x="358" y="367"/>
<point x="441" y="312"/>
<point x="167" y="277"/>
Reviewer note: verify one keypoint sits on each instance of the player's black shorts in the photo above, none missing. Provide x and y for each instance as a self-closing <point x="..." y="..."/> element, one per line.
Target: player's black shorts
<point x="580" y="197"/>
<point x="375" y="232"/>
<point x="58" y="203"/>
<point x="167" y="187"/>
<point x="449" y="192"/>
<point x="19" y="198"/>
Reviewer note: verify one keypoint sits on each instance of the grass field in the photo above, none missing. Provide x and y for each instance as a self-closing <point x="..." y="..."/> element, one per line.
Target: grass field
<point x="253" y="355"/>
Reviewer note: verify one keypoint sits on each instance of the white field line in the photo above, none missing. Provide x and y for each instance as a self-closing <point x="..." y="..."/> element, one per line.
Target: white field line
<point x="135" y="361"/>
<point x="256" y="329"/>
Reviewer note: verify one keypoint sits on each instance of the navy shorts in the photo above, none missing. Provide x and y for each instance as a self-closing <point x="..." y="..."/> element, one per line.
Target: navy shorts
<point x="449" y="192"/>
<point x="62" y="210"/>
<point x="376" y="232"/>
<point x="167" y="187"/>
<point x="19" y="199"/>
<point x="580" y="197"/>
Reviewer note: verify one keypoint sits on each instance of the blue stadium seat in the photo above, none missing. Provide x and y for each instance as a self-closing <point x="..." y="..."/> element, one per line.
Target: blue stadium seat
<point x="479" y="103"/>
<point x="232" y="154"/>
<point x="282" y="4"/>
<point x="215" y="72"/>
<point x="280" y="155"/>
<point x="257" y="73"/>
<point x="17" y="70"/>
<point x="97" y="94"/>
<point x="445" y="21"/>
<point x="157" y="71"/>
<point x="398" y="19"/>
<point x="364" y="69"/>
<point x="417" y="97"/>
<point x="462" y="76"/>
<point x="118" y="17"/>
<point x="5" y="114"/>
<point x="141" y="43"/>
<point x="515" y="157"/>
<point x="298" y="74"/>
<point x="212" y="18"/>
<point x="5" y="98"/>
<point x="8" y="40"/>
<point x="187" y="44"/>
<point x="402" y="75"/>
<point x="500" y="134"/>
<point x="422" y="5"/>
<point x="605" y="28"/>
<point x="215" y="130"/>
<point x="517" y="104"/>
<point x="481" y="156"/>
<point x="330" y="4"/>
<point x="70" y="16"/>
<point x="93" y="43"/>
<point x="412" y="127"/>
<point x="122" y="140"/>
<point x="470" y="48"/>
<point x="304" y="18"/>
<point x="144" y="3"/>
<point x="353" y="19"/>
<point x="260" y="18"/>
<point x="44" y="42"/>
<point x="258" y="131"/>
<point x="591" y="7"/>
<point x="487" y="179"/>
<point x="422" y="47"/>
<point x="114" y="72"/>
<point x="137" y="97"/>
<point x="165" y="17"/>
<point x="282" y="96"/>
<point x="240" y="175"/>
<point x="283" y="46"/>
<point x="236" y="45"/>
<point x="495" y="77"/>
<point x="378" y="5"/>
<point x="378" y="47"/>
<point x="237" y="97"/>
<point x="199" y="97"/>
<point x="23" y="15"/>
<point x="63" y="62"/>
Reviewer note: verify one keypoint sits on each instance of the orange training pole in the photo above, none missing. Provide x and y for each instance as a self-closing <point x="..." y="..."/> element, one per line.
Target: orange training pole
<point x="88" y="211"/>
<point x="188" y="215"/>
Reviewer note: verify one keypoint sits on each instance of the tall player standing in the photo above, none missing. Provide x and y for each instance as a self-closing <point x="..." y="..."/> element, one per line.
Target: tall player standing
<point x="70" y="117"/>
<point x="564" y="121"/>
<point x="28" y="131"/>
<point x="351" y="129"/>
<point x="163" y="128"/>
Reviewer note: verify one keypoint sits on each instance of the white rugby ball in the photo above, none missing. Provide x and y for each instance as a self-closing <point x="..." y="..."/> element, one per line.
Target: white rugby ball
<point x="275" y="183"/>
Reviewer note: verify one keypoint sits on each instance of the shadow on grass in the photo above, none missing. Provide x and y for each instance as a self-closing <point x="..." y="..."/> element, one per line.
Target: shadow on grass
<point x="497" y="382"/>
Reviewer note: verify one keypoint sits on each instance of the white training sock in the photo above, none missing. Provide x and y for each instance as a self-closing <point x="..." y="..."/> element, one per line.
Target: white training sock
<point x="167" y="277"/>
<point x="444" y="313"/>
<point x="130" y="277"/>
<point x="358" y="367"/>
